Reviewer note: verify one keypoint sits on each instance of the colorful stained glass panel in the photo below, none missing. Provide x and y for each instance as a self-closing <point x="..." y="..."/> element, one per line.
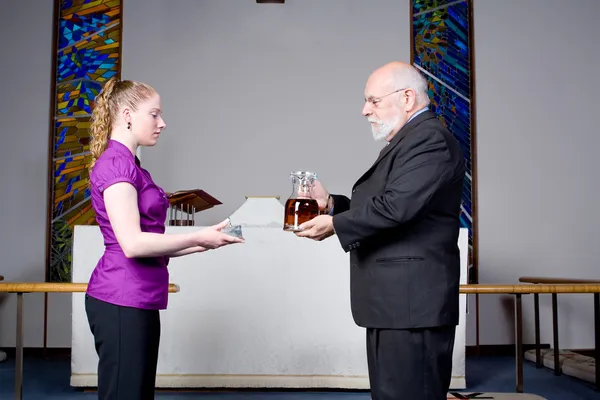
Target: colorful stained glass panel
<point x="76" y="97"/>
<point x="94" y="58"/>
<point x="72" y="136"/>
<point x="87" y="55"/>
<point x="441" y="45"/>
<point x="441" y="50"/>
<point x="454" y="111"/>
<point x="70" y="182"/>
<point x="424" y="5"/>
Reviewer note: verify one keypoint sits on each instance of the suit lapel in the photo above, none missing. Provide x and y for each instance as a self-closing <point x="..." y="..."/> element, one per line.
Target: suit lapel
<point x="405" y="130"/>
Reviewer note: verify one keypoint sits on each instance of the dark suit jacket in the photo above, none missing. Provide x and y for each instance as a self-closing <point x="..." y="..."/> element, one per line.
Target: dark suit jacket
<point x="401" y="229"/>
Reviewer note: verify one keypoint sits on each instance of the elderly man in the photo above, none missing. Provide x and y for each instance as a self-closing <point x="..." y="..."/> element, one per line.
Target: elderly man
<point x="401" y="229"/>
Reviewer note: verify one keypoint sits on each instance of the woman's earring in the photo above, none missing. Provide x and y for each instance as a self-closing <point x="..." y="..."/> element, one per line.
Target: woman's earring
<point x="129" y="125"/>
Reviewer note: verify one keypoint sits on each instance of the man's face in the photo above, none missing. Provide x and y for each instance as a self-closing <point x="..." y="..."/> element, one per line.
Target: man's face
<point x="384" y="107"/>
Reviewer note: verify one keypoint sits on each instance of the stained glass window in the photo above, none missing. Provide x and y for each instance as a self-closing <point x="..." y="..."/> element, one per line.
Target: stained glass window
<point x="87" y="54"/>
<point x="441" y="49"/>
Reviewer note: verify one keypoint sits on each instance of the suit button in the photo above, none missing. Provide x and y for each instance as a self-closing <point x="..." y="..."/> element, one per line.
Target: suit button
<point x="353" y="265"/>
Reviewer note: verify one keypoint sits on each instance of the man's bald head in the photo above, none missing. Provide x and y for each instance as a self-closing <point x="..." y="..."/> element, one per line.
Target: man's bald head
<point x="398" y="75"/>
<point x="393" y="93"/>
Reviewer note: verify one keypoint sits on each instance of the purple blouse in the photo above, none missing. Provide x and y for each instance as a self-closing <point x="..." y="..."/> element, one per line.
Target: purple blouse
<point x="132" y="282"/>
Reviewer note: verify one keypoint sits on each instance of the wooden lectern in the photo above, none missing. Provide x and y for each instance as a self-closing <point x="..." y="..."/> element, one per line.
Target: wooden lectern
<point x="184" y="204"/>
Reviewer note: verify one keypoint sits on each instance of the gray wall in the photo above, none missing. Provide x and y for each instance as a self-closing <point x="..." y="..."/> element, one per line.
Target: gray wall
<point x="537" y="94"/>
<point x="243" y="83"/>
<point x="251" y="91"/>
<point x="25" y="77"/>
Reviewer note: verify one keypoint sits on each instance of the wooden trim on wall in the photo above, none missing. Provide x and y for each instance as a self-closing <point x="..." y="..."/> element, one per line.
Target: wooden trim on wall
<point x="472" y="96"/>
<point x="412" y="32"/>
<point x="49" y="186"/>
<point x="120" y="69"/>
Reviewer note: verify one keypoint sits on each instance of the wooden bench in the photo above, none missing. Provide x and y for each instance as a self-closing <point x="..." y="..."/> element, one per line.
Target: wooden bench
<point x="537" y="280"/>
<point x="517" y="290"/>
<point x="42" y="287"/>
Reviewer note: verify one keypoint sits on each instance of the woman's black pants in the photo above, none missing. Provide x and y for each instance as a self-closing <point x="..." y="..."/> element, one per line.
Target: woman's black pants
<point x="126" y="341"/>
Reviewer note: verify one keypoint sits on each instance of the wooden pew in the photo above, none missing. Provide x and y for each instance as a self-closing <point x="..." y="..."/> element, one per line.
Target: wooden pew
<point x="537" y="280"/>
<point x="38" y="287"/>
<point x="517" y="290"/>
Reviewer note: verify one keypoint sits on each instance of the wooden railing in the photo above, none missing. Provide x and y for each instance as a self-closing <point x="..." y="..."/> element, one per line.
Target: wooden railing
<point x="48" y="287"/>
<point x="530" y="289"/>
<point x="556" y="281"/>
<point x="542" y="281"/>
<point x="19" y="288"/>
<point x="517" y="290"/>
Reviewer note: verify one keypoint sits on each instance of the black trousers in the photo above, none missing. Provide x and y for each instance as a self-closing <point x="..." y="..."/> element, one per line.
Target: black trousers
<point x="126" y="341"/>
<point x="411" y="363"/>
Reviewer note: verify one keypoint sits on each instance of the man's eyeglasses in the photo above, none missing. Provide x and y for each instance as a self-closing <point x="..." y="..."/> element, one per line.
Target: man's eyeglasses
<point x="376" y="100"/>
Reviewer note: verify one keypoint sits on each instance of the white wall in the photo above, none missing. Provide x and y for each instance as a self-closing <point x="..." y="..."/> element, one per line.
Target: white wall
<point x="236" y="76"/>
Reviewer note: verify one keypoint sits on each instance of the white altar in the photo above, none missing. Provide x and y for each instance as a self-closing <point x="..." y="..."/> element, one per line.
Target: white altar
<point x="272" y="312"/>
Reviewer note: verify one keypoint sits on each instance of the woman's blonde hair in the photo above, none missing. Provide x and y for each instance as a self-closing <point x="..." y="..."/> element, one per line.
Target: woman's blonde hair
<point x="114" y="95"/>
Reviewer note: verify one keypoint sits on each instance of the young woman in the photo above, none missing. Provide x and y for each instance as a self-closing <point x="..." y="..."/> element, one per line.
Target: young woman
<point x="130" y="283"/>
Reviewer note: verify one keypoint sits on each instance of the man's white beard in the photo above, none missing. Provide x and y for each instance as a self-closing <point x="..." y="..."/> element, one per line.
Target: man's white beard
<point x="382" y="129"/>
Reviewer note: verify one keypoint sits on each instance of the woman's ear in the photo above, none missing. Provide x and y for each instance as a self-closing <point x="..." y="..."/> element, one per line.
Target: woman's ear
<point x="126" y="114"/>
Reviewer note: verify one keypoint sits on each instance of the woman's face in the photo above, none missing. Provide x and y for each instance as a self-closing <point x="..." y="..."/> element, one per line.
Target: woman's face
<point x="147" y="122"/>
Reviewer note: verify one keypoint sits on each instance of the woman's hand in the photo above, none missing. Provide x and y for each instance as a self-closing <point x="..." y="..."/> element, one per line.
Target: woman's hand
<point x="212" y="238"/>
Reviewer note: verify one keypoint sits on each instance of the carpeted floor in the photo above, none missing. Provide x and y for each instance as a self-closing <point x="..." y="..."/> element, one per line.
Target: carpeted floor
<point x="49" y="379"/>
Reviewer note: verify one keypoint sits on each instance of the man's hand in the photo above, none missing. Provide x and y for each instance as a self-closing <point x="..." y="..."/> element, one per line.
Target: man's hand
<point x="321" y="195"/>
<point x="318" y="228"/>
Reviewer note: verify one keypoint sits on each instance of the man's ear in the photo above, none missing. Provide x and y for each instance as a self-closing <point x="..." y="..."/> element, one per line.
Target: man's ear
<point x="410" y="98"/>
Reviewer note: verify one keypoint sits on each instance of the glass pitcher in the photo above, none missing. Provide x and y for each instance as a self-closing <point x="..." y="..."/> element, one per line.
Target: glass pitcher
<point x="300" y="206"/>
